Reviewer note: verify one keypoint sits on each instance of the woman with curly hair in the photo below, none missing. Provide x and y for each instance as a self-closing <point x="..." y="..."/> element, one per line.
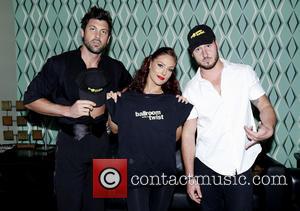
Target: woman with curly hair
<point x="148" y="119"/>
<point x="168" y="86"/>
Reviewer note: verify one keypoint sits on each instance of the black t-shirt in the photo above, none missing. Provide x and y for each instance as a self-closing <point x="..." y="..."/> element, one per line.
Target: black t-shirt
<point x="57" y="81"/>
<point x="147" y="126"/>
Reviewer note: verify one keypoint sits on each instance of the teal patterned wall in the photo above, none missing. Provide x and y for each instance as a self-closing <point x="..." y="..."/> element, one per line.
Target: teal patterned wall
<point x="261" y="33"/>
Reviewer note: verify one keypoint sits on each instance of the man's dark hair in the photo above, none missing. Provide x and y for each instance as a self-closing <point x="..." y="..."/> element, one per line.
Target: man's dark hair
<point x="96" y="13"/>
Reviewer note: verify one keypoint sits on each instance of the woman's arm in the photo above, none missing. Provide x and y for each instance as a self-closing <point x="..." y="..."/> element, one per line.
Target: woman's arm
<point x="113" y="126"/>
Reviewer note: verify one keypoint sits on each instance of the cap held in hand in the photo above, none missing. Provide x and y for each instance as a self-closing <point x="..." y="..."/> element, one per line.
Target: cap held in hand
<point x="93" y="86"/>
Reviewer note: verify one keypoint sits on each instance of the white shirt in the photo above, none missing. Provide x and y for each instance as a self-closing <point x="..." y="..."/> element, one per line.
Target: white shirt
<point x="221" y="137"/>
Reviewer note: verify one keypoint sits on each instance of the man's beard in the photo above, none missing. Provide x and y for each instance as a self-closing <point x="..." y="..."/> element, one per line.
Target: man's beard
<point x="203" y="65"/>
<point x="89" y="46"/>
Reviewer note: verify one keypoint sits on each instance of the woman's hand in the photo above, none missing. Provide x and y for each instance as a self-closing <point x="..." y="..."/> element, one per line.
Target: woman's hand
<point x="113" y="95"/>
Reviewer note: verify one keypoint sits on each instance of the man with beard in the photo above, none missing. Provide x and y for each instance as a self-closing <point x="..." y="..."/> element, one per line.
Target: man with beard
<point x="218" y="163"/>
<point x="72" y="86"/>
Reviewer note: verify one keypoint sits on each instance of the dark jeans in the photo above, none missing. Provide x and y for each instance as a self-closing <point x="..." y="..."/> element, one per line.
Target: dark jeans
<point x="149" y="198"/>
<point x="73" y="171"/>
<point x="230" y="193"/>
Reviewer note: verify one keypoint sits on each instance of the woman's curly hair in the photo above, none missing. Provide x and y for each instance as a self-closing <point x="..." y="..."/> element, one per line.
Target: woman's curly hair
<point x="139" y="82"/>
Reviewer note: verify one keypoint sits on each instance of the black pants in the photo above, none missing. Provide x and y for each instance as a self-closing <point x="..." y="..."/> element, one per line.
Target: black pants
<point x="73" y="171"/>
<point x="149" y="198"/>
<point x="223" y="192"/>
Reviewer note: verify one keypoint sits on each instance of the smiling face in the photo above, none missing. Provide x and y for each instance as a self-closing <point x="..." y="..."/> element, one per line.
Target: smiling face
<point x="96" y="35"/>
<point x="160" y="70"/>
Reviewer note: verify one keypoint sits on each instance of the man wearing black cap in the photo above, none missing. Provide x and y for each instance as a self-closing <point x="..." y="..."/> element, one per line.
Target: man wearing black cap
<point x="72" y="86"/>
<point x="228" y="142"/>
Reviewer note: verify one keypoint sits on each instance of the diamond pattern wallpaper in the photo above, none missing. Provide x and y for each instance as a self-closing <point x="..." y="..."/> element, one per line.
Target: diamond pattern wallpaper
<point x="261" y="33"/>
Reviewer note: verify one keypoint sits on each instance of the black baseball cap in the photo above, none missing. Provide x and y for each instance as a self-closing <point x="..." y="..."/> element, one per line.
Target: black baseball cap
<point x="200" y="35"/>
<point x="93" y="86"/>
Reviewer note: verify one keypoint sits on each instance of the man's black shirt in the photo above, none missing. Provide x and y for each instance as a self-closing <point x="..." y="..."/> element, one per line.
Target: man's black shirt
<point x="57" y="80"/>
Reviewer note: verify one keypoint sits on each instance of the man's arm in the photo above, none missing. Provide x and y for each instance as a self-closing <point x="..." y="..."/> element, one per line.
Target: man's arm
<point x="178" y="133"/>
<point x="44" y="84"/>
<point x="267" y="123"/>
<point x="78" y="109"/>
<point x="267" y="113"/>
<point x="188" y="154"/>
<point x="188" y="145"/>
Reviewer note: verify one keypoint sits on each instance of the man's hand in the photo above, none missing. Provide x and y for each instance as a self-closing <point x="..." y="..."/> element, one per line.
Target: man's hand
<point x="97" y="111"/>
<point x="81" y="108"/>
<point x="182" y="99"/>
<point x="262" y="133"/>
<point x="193" y="190"/>
<point x="266" y="126"/>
